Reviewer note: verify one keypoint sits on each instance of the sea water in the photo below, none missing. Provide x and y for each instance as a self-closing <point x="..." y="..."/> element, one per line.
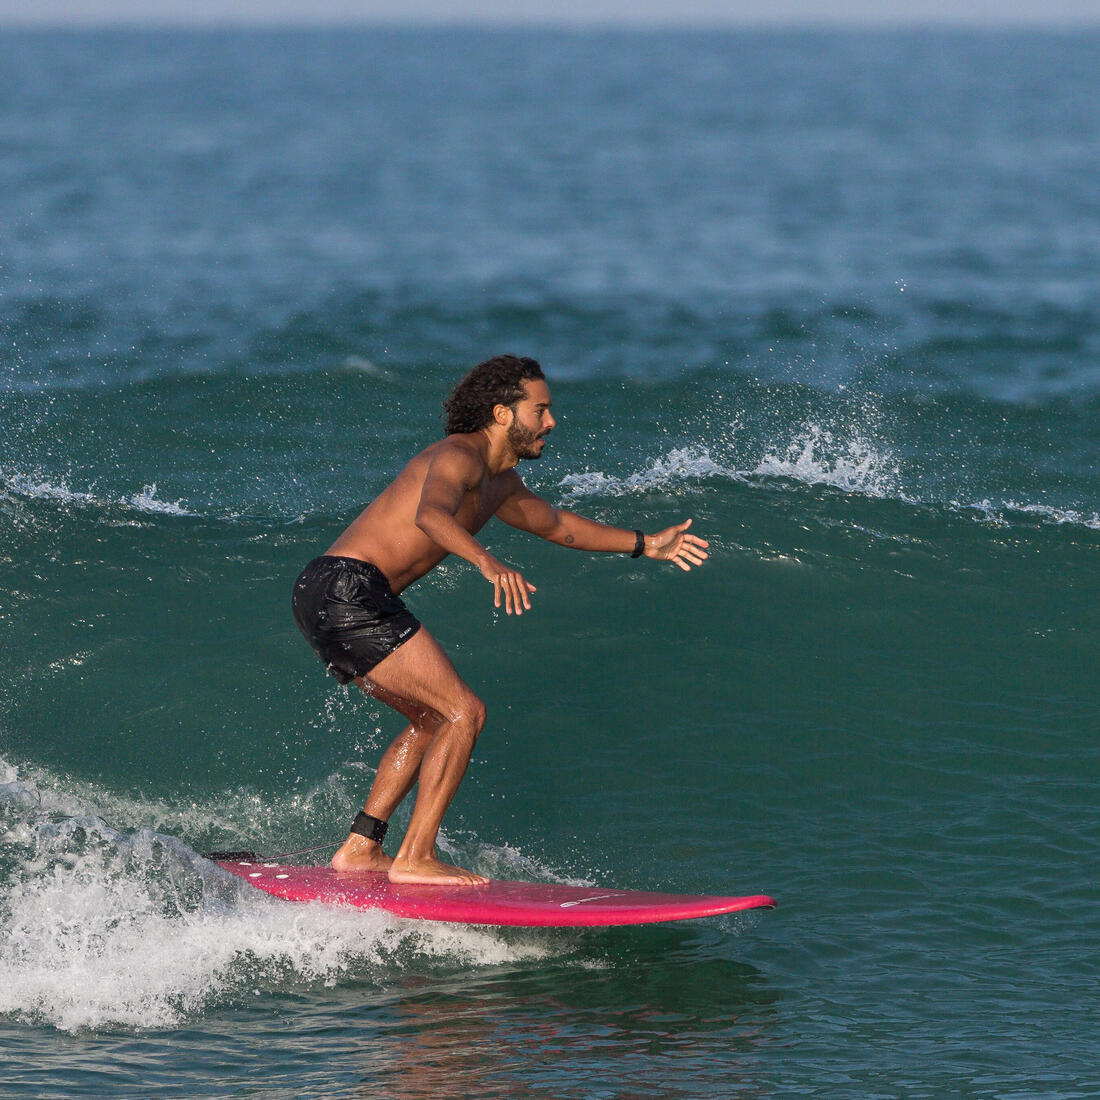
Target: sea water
<point x="834" y="297"/>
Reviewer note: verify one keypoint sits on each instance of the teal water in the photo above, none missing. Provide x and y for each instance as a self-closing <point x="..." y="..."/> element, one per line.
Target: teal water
<point x="832" y="296"/>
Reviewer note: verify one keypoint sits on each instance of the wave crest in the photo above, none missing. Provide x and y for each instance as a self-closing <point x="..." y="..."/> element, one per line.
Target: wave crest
<point x="851" y="462"/>
<point x="820" y="456"/>
<point x="815" y="456"/>
<point x="671" y="473"/>
<point x="23" y="487"/>
<point x="81" y="902"/>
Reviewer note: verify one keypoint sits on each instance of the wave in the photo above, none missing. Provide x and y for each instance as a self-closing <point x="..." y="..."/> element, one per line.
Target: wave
<point x="1036" y="351"/>
<point x="858" y="468"/>
<point x="16" y="487"/>
<point x="821" y="456"/>
<point x="815" y="457"/>
<point x="681" y="468"/>
<point x="81" y="899"/>
<point x="1011" y="513"/>
<point x="859" y="444"/>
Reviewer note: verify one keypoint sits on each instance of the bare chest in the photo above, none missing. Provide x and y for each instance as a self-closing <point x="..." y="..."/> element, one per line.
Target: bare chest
<point x="479" y="504"/>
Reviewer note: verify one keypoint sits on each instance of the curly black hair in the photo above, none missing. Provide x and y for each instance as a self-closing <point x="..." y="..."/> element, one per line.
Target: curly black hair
<point x="497" y="381"/>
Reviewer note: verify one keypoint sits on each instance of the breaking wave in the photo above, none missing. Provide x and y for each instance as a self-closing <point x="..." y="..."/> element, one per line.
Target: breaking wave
<point x="122" y="926"/>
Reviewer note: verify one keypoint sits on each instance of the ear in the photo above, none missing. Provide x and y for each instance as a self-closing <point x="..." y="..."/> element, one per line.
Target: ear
<point x="503" y="415"/>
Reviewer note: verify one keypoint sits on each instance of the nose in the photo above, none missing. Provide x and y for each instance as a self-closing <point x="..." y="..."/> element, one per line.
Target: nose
<point x="548" y="421"/>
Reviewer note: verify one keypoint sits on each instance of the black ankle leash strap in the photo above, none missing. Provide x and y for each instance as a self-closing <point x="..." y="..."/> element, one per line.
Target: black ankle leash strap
<point x="365" y="825"/>
<point x="370" y="827"/>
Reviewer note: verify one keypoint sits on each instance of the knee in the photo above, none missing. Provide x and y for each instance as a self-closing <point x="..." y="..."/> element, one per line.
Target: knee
<point x="470" y="713"/>
<point x="479" y="714"/>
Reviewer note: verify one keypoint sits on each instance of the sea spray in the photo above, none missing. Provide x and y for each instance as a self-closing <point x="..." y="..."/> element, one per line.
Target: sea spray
<point x="107" y="928"/>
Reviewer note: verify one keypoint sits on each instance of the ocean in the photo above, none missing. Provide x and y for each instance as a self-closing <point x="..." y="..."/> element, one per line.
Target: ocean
<point x="835" y="296"/>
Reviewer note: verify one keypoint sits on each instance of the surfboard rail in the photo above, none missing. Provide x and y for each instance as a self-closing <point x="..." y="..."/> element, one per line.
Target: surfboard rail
<point x="501" y="902"/>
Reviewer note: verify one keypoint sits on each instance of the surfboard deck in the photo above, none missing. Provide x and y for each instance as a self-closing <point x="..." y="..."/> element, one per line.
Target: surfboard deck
<point x="524" y="904"/>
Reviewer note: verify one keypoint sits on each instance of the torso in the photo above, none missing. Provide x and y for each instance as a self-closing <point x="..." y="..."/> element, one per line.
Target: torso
<point x="385" y="532"/>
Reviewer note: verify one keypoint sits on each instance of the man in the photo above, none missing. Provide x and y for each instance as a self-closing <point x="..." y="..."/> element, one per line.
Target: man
<point x="346" y="601"/>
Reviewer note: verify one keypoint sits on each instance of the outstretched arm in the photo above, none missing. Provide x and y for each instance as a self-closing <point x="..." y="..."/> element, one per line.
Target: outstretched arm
<point x="528" y="512"/>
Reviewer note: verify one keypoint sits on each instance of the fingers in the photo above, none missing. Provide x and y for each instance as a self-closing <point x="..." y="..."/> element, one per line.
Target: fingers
<point x="671" y="537"/>
<point x="691" y="554"/>
<point x="684" y="550"/>
<point x="518" y="599"/>
<point x="685" y="559"/>
<point x="514" y="590"/>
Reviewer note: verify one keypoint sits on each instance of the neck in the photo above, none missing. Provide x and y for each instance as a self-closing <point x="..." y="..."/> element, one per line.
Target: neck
<point x="499" y="455"/>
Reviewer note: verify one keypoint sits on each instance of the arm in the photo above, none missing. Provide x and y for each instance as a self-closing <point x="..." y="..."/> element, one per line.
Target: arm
<point x="524" y="510"/>
<point x="452" y="473"/>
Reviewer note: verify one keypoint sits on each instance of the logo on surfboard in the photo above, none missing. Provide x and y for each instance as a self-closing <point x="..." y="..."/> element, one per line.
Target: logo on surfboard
<point x="581" y="901"/>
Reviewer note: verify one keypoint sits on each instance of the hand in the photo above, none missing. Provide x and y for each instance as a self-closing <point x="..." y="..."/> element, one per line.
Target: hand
<point x="508" y="583"/>
<point x="675" y="545"/>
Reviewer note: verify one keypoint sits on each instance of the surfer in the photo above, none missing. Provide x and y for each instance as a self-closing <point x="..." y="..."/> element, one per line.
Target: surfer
<point x="347" y="601"/>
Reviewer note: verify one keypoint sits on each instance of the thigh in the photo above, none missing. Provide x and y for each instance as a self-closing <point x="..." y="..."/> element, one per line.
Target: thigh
<point x="419" y="714"/>
<point x="421" y="674"/>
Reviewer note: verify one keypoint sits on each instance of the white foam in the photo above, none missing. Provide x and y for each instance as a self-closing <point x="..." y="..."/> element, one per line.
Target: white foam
<point x="849" y="460"/>
<point x="820" y="456"/>
<point x="25" y="486"/>
<point x="102" y="927"/>
<point x="1057" y="516"/>
<point x="670" y="473"/>
<point x="855" y="463"/>
<point x="816" y="455"/>
<point x="14" y="486"/>
<point x="1001" y="515"/>
<point x="509" y="862"/>
<point x="122" y="935"/>
<point x="62" y="795"/>
<point x="146" y="501"/>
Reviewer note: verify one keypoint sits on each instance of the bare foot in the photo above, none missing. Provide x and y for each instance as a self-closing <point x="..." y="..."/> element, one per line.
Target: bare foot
<point x="430" y="872"/>
<point x="360" y="854"/>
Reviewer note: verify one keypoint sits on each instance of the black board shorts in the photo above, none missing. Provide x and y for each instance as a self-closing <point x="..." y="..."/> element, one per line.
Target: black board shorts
<point x="349" y="614"/>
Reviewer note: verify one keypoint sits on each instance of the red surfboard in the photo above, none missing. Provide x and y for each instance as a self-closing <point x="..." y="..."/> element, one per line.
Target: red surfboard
<point x="529" y="904"/>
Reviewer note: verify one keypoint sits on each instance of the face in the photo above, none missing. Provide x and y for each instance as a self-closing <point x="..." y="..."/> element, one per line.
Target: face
<point x="531" y="420"/>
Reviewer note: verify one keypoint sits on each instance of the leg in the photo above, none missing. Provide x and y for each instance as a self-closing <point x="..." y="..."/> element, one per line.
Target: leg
<point x="419" y="671"/>
<point x="397" y="772"/>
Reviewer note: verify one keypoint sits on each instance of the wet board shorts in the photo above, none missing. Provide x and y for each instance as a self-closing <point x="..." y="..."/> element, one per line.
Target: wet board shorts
<point x="349" y="614"/>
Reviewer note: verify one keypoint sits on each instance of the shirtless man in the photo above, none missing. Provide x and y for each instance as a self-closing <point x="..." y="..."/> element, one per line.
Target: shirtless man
<point x="346" y="602"/>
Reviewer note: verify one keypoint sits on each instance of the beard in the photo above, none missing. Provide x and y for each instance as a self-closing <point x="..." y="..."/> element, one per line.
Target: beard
<point x="523" y="441"/>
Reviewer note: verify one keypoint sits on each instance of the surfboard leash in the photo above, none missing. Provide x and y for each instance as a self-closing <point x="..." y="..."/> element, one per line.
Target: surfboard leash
<point x="247" y="855"/>
<point x="372" y="828"/>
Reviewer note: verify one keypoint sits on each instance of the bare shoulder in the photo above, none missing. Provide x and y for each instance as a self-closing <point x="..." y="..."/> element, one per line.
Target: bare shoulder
<point x="456" y="458"/>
